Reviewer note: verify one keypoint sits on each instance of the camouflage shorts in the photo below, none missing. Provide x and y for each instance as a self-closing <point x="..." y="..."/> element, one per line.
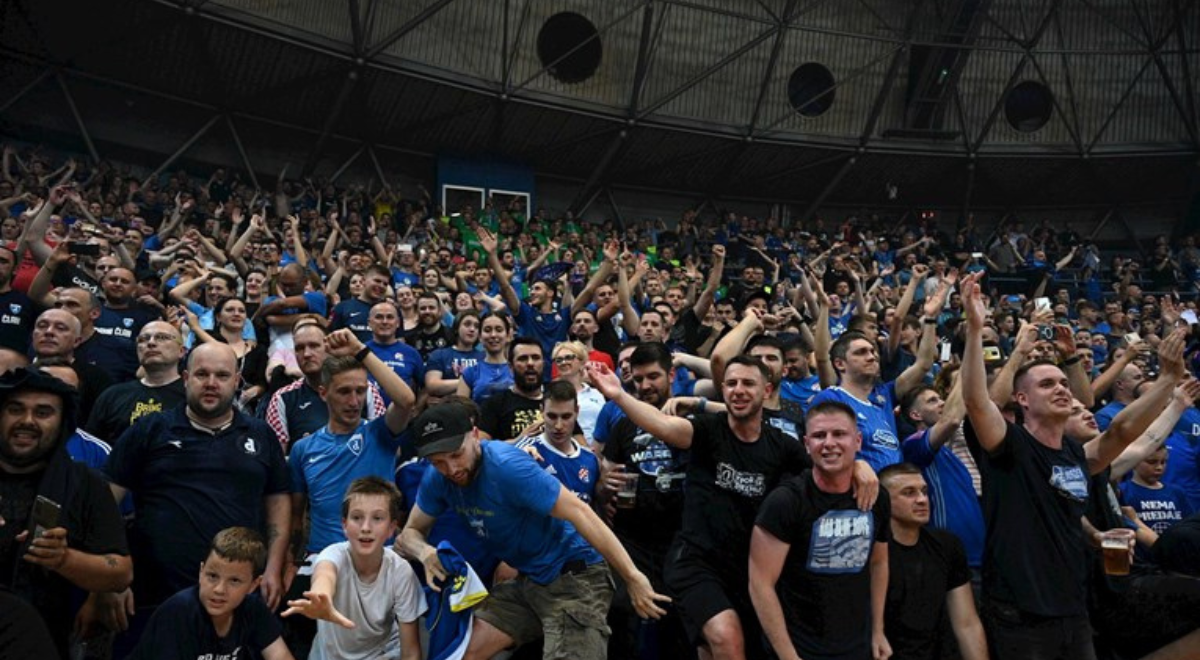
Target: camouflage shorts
<point x="569" y="613"/>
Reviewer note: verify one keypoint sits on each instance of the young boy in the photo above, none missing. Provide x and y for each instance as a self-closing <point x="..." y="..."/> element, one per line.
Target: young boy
<point x="219" y="619"/>
<point x="379" y="589"/>
<point x="1157" y="504"/>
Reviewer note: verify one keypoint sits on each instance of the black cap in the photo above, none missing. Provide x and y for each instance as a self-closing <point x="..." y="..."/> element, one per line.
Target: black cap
<point x="442" y="429"/>
<point x="33" y="379"/>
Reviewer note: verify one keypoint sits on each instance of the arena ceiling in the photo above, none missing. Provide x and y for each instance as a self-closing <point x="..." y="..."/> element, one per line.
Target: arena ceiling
<point x="996" y="103"/>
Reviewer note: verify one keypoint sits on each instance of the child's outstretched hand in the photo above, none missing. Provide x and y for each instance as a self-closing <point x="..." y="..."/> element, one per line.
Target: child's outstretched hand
<point x="316" y="605"/>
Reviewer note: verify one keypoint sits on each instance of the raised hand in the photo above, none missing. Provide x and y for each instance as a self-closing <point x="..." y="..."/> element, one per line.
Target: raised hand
<point x="603" y="379"/>
<point x="487" y="240"/>
<point x="1187" y="392"/>
<point x="1170" y="353"/>
<point x="342" y="343"/>
<point x="976" y="311"/>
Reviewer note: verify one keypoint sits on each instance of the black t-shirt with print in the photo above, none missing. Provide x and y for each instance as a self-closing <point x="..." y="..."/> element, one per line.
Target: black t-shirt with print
<point x="825" y="586"/>
<point x="658" y="509"/>
<point x="1035" y="555"/>
<point x="121" y="405"/>
<point x="727" y="480"/>
<point x="505" y="414"/>
<point x="919" y="577"/>
<point x="17" y="315"/>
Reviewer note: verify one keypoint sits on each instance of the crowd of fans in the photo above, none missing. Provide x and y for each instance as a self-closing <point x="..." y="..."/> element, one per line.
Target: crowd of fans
<point x="256" y="423"/>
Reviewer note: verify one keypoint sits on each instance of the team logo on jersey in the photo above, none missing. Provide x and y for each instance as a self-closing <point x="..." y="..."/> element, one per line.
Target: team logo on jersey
<point x="250" y="447"/>
<point x="584" y="474"/>
<point x="356" y="444"/>
<point x="878" y="399"/>
<point x="14" y="308"/>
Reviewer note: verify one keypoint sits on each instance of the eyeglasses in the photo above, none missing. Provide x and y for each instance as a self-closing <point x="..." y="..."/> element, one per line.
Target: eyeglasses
<point x="562" y="359"/>
<point x="160" y="337"/>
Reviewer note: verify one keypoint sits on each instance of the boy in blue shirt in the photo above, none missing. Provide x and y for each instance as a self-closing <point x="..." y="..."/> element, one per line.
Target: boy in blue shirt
<point x="220" y="617"/>
<point x="556" y="450"/>
<point x="1157" y="504"/>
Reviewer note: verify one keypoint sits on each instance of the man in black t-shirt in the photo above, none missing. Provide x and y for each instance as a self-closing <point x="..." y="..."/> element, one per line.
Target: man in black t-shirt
<point x="818" y="564"/>
<point x="82" y="544"/>
<point x="17" y="310"/>
<point x="647" y="529"/>
<point x="510" y="414"/>
<point x="735" y="460"/>
<point x="928" y="578"/>
<point x="159" y="348"/>
<point x="430" y="333"/>
<point x="1035" y="492"/>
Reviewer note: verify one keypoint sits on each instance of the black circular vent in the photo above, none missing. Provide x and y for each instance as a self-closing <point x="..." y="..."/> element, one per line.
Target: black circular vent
<point x="569" y="47"/>
<point x="810" y="89"/>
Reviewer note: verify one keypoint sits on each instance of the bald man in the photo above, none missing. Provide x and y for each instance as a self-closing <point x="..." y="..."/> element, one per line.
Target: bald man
<point x="122" y="316"/>
<point x="56" y="335"/>
<point x="159" y="349"/>
<point x="195" y="470"/>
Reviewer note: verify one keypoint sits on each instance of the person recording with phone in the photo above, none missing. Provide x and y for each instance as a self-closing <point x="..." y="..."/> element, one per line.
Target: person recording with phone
<point x="59" y="527"/>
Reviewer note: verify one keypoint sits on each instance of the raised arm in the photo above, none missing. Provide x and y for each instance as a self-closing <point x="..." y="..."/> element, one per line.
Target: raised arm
<point x="927" y="348"/>
<point x="1105" y="380"/>
<point x="1002" y="387"/>
<point x="629" y="315"/>
<point x="823" y="339"/>
<point x="919" y="271"/>
<point x="1137" y="416"/>
<point x="674" y="431"/>
<point x="734" y="341"/>
<point x="344" y="343"/>
<point x="612" y="251"/>
<point x="709" y="294"/>
<point x="298" y="241"/>
<point x="988" y="423"/>
<point x="488" y="241"/>
<point x="1185" y="396"/>
<point x="953" y="413"/>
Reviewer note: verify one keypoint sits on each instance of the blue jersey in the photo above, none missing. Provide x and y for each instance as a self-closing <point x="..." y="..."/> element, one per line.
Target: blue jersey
<point x="1105" y="415"/>
<point x="449" y="528"/>
<point x="353" y="314"/>
<point x="404" y="360"/>
<point x="1159" y="508"/>
<point x="83" y="447"/>
<point x="323" y="465"/>
<point x="453" y="362"/>
<point x="404" y="278"/>
<point x="508" y="506"/>
<point x="801" y="391"/>
<point x="1183" y="462"/>
<point x="487" y="378"/>
<point x="578" y="470"/>
<point x="125" y="323"/>
<point x="953" y="505"/>
<point x="876" y="421"/>
<point x="548" y="328"/>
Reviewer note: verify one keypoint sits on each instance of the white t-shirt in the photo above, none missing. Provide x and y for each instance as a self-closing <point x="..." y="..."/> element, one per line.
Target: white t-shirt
<point x="395" y="595"/>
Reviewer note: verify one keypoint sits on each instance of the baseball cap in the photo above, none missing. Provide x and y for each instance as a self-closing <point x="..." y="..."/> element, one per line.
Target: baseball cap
<point x="441" y="429"/>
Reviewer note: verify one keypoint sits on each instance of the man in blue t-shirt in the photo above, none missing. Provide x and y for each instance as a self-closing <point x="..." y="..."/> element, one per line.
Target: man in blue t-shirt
<point x="403" y="359"/>
<point x="538" y="318"/>
<point x="522" y="515"/>
<point x="856" y="358"/>
<point x="1124" y="392"/>
<point x="556" y="450"/>
<point x="940" y="450"/>
<point x="355" y="312"/>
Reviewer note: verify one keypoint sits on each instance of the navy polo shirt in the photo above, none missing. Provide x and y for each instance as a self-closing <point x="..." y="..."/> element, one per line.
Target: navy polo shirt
<point x="188" y="484"/>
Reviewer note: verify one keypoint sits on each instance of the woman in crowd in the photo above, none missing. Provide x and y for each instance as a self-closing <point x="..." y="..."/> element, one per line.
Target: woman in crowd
<point x="445" y="367"/>
<point x="231" y="318"/>
<point x="570" y="362"/>
<point x="491" y="374"/>
<point x="406" y="300"/>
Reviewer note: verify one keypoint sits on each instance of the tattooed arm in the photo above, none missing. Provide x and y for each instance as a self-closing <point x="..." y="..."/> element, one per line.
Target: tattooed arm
<point x="279" y="525"/>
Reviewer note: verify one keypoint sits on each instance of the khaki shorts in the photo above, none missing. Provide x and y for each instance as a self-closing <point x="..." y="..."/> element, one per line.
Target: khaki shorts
<point x="569" y="613"/>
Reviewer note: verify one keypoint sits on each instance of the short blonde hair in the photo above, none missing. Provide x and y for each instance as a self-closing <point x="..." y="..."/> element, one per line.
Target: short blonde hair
<point x="575" y="347"/>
